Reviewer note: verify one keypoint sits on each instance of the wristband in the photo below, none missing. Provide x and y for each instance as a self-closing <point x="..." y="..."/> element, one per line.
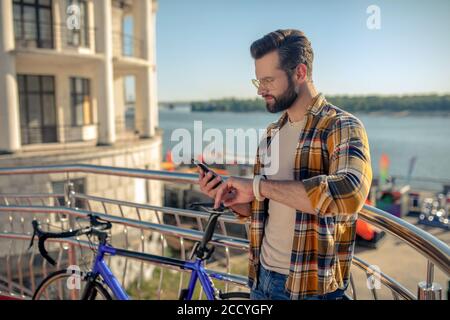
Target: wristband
<point x="256" y="183"/>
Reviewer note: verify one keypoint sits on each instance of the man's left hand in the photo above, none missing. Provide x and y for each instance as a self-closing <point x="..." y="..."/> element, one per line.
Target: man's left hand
<point x="241" y="192"/>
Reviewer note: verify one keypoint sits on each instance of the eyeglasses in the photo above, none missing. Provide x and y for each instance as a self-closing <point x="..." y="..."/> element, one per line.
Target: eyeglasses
<point x="267" y="82"/>
<point x="264" y="82"/>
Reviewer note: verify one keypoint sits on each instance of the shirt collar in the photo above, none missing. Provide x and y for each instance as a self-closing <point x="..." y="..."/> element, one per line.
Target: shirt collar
<point x="317" y="104"/>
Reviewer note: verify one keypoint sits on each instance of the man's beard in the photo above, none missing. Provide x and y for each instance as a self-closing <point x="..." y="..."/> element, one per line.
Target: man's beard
<point x="284" y="101"/>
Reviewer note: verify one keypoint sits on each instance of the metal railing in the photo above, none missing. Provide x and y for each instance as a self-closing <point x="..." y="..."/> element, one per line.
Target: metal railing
<point x="125" y="45"/>
<point x="145" y="227"/>
<point x="44" y="35"/>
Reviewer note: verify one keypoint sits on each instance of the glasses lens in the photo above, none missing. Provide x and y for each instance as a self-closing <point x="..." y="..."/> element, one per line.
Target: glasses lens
<point x="255" y="83"/>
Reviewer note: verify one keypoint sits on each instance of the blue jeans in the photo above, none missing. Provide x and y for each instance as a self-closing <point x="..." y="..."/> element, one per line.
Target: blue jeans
<point x="271" y="286"/>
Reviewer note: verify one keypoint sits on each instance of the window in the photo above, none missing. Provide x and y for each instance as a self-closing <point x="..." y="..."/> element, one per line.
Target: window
<point x="37" y="108"/>
<point x="81" y="101"/>
<point x="33" y="23"/>
<point x="130" y="102"/>
<point x="79" y="37"/>
<point x="128" y="40"/>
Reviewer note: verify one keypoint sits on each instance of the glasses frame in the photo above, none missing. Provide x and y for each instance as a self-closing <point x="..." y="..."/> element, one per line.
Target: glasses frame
<point x="267" y="82"/>
<point x="264" y="82"/>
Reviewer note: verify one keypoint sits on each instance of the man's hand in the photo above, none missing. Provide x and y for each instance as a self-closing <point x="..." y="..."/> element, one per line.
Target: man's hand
<point x="208" y="188"/>
<point x="234" y="191"/>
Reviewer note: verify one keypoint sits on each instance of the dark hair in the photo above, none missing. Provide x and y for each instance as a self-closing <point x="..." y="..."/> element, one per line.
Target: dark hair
<point x="292" y="45"/>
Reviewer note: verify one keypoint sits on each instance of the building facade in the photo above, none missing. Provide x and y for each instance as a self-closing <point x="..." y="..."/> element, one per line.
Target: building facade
<point x="63" y="69"/>
<point x="65" y="95"/>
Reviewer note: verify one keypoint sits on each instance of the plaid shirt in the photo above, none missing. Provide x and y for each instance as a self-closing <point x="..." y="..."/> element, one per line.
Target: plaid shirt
<point x="332" y="160"/>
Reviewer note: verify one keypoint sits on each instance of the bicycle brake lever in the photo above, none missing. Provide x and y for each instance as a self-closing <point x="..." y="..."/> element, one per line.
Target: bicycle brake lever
<point x="32" y="239"/>
<point x="96" y="221"/>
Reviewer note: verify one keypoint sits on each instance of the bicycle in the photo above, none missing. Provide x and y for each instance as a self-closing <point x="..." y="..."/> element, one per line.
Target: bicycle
<point x="95" y="283"/>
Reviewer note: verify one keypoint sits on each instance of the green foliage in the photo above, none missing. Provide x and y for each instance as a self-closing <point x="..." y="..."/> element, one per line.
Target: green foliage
<point x="411" y="103"/>
<point x="230" y="104"/>
<point x="148" y="289"/>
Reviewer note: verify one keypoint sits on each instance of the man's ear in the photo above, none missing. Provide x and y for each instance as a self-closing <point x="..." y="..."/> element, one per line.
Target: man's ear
<point x="301" y="73"/>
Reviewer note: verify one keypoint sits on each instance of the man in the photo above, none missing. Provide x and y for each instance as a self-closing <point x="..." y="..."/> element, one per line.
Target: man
<point x="303" y="217"/>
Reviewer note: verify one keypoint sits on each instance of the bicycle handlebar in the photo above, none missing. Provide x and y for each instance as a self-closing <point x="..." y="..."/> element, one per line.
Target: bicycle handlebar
<point x="96" y="228"/>
<point x="209" y="207"/>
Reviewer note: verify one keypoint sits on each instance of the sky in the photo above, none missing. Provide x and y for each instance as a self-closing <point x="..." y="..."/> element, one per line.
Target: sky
<point x="203" y="46"/>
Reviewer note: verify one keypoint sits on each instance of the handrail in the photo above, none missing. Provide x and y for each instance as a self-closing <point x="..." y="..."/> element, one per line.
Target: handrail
<point x="396" y="288"/>
<point x="88" y="168"/>
<point x="235" y="279"/>
<point x="390" y="283"/>
<point x="435" y="251"/>
<point x="386" y="280"/>
<point x="183" y="212"/>
<point x="429" y="246"/>
<point x="167" y="229"/>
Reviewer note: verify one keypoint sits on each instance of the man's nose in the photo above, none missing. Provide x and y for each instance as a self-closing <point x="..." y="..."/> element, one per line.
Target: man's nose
<point x="262" y="91"/>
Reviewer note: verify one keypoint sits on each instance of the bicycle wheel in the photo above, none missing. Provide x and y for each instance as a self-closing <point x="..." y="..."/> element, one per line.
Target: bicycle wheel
<point x="56" y="287"/>
<point x="235" y="296"/>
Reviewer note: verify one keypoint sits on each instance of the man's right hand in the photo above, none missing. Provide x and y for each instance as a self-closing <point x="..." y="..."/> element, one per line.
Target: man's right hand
<point x="210" y="189"/>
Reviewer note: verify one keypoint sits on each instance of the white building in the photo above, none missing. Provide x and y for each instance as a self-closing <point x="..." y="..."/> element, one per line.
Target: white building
<point x="63" y="69"/>
<point x="63" y="66"/>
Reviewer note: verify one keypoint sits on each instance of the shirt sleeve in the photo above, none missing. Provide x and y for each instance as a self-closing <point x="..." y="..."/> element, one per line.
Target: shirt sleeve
<point x="345" y="189"/>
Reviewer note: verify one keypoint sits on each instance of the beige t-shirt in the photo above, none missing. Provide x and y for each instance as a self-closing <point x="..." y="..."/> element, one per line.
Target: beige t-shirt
<point x="279" y="230"/>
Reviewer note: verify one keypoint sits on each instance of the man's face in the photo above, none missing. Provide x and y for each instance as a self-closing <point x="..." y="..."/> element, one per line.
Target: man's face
<point x="276" y="87"/>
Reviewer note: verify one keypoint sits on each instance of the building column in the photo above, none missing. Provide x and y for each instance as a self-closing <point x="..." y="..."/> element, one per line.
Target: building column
<point x="145" y="28"/>
<point x="59" y="24"/>
<point x="105" y="93"/>
<point x="9" y="102"/>
<point x="63" y="107"/>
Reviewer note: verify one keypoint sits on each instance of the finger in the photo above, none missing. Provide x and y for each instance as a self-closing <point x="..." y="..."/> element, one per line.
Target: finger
<point x="219" y="194"/>
<point x="224" y="188"/>
<point x="211" y="185"/>
<point x="230" y="199"/>
<point x="205" y="180"/>
<point x="199" y="169"/>
<point x="208" y="175"/>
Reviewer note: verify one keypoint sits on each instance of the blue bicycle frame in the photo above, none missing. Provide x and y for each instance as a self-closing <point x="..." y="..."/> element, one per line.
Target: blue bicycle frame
<point x="198" y="271"/>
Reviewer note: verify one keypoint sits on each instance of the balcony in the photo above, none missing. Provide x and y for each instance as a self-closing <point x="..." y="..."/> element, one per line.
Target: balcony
<point x="32" y="35"/>
<point x="127" y="46"/>
<point x="43" y="35"/>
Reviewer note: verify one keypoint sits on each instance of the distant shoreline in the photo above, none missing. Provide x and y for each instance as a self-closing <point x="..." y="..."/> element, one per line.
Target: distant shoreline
<point x="406" y="113"/>
<point x="435" y="105"/>
<point x="370" y="113"/>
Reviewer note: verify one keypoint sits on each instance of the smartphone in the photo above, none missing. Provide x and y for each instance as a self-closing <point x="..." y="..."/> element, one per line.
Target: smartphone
<point x="205" y="169"/>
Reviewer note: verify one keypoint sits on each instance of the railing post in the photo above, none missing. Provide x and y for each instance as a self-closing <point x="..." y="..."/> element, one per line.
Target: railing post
<point x="69" y="201"/>
<point x="69" y="194"/>
<point x="429" y="290"/>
